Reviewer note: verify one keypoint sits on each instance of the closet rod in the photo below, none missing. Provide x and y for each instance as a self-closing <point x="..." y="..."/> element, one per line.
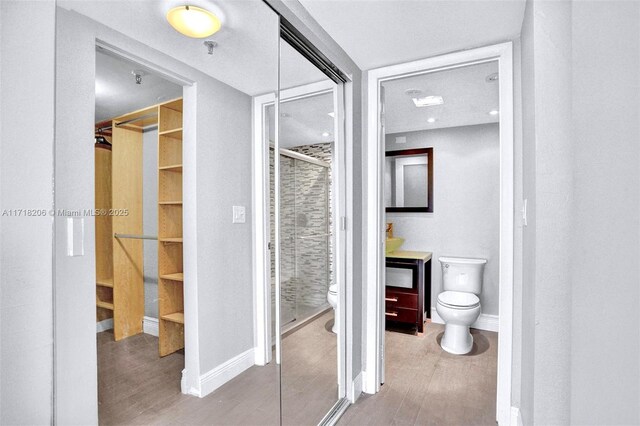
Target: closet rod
<point x="135" y="237"/>
<point x="142" y="117"/>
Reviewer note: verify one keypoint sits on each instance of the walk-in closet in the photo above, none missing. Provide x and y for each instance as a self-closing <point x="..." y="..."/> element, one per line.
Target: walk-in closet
<point x="138" y="220"/>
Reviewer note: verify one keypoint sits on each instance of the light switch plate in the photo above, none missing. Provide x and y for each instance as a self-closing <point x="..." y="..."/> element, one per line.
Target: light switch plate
<point x="401" y="139"/>
<point x="239" y="214"/>
<point x="75" y="236"/>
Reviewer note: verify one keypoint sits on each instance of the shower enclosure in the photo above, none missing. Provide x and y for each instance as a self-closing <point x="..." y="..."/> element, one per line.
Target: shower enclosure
<point x="306" y="238"/>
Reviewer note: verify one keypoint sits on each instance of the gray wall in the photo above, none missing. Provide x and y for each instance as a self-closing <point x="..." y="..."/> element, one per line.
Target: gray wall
<point x="26" y="171"/>
<point x="580" y="344"/>
<point x="466" y="217"/>
<point x="605" y="336"/>
<point x="548" y="180"/>
<point x="150" y="220"/>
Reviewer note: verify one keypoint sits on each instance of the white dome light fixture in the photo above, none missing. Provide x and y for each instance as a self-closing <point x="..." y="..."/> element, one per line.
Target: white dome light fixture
<point x="193" y="21"/>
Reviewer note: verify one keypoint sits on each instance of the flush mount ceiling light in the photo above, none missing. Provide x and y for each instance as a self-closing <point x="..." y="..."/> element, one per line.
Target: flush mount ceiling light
<point x="428" y="101"/>
<point x="494" y="112"/>
<point x="193" y="21"/>
<point x="326" y="134"/>
<point x="431" y="120"/>
<point x="331" y="114"/>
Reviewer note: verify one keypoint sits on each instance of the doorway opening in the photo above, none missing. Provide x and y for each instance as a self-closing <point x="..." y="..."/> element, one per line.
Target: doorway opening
<point x="431" y="110"/>
<point x="140" y="309"/>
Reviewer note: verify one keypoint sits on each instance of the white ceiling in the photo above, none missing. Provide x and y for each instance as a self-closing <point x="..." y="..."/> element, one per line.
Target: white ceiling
<point x="247" y="54"/>
<point x="376" y="33"/>
<point x="303" y="121"/>
<point x="467" y="96"/>
<point x="117" y="92"/>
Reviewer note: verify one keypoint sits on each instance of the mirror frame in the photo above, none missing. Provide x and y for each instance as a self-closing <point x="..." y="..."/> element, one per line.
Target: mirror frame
<point x="417" y="151"/>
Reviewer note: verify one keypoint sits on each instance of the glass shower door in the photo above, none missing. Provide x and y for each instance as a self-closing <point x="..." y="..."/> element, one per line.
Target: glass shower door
<point x="305" y="217"/>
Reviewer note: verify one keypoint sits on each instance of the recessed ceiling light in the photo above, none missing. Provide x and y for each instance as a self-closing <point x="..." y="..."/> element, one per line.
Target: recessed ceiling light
<point x="431" y="120"/>
<point x="326" y="134"/>
<point x="332" y="114"/>
<point x="413" y="92"/>
<point x="494" y="112"/>
<point x="428" y="101"/>
<point x="193" y="21"/>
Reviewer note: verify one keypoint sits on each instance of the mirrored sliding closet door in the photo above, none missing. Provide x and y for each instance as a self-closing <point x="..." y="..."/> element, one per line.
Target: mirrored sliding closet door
<point x="307" y="156"/>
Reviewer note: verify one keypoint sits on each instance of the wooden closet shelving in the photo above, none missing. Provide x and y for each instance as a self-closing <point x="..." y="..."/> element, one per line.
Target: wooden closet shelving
<point x="119" y="261"/>
<point x="170" y="264"/>
<point x="104" y="231"/>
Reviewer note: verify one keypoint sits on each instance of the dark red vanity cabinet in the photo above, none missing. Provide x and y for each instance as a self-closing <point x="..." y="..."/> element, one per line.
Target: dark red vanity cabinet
<point x="409" y="305"/>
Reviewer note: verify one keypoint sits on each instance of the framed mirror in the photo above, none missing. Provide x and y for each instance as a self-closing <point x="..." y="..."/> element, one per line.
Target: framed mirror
<point x="408" y="180"/>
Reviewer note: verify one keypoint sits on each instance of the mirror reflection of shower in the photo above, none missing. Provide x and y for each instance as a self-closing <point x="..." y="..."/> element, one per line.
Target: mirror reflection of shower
<point x="305" y="202"/>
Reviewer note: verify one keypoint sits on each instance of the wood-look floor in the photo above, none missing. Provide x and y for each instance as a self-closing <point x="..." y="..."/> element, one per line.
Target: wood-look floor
<point x="137" y="387"/>
<point x="424" y="385"/>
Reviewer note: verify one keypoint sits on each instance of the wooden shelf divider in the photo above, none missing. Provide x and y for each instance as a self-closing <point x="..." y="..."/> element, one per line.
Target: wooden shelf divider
<point x="105" y="282"/>
<point x="172" y="168"/>
<point x="177" y="317"/>
<point x="178" y="276"/>
<point x="171" y="240"/>
<point x="170" y="264"/>
<point x="104" y="305"/>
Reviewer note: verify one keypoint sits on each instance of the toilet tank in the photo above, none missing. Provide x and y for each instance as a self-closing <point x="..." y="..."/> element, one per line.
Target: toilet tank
<point x="462" y="274"/>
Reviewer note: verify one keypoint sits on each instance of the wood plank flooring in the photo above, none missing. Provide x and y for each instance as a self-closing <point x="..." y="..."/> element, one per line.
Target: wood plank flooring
<point x="136" y="387"/>
<point x="309" y="372"/>
<point x="428" y="386"/>
<point x="425" y="385"/>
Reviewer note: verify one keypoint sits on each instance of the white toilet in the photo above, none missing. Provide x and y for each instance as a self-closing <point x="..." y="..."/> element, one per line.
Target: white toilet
<point x="458" y="305"/>
<point x="332" y="297"/>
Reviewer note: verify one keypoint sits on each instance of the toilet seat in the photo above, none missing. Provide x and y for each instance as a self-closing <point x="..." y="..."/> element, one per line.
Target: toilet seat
<point x="458" y="300"/>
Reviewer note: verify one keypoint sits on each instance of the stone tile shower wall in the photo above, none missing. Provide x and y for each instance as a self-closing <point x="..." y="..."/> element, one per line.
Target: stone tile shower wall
<point x="306" y="249"/>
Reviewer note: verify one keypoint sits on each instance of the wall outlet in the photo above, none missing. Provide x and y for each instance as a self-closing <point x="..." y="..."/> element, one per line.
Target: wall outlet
<point x="239" y="214"/>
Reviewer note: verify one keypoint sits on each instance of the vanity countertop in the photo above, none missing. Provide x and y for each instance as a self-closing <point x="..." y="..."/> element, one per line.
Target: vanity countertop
<point x="402" y="254"/>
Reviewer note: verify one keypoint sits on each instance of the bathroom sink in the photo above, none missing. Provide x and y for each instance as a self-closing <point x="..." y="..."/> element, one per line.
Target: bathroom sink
<point x="393" y="244"/>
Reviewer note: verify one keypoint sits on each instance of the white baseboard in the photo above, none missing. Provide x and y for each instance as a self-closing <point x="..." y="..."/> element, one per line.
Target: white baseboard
<point x="516" y="418"/>
<point x="104" y="325"/>
<point x="213" y="379"/>
<point x="150" y="326"/>
<point x="485" y="322"/>
<point x="356" y="389"/>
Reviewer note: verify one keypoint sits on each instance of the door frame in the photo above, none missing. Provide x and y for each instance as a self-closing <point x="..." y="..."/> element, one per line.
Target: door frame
<point x="375" y="213"/>
<point x="261" y="222"/>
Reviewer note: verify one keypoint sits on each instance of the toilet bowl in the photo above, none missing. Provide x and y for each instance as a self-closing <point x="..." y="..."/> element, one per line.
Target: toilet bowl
<point x="459" y="305"/>
<point x="332" y="298"/>
<point x="458" y="310"/>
